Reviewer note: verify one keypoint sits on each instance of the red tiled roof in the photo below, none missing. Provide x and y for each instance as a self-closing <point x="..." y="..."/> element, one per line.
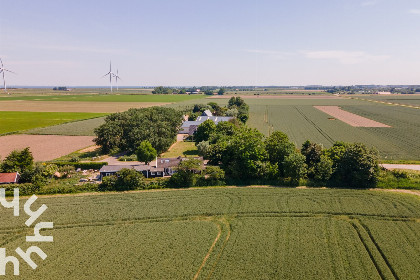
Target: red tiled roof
<point x="8" y="177"/>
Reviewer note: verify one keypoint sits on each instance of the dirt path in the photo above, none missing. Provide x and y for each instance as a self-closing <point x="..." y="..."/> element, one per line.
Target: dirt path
<point x="210" y="251"/>
<point x="401" y="166"/>
<point x="414" y="192"/>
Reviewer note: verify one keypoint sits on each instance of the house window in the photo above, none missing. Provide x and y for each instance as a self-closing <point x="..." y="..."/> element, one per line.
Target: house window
<point x="157" y="173"/>
<point x="152" y="173"/>
<point x="166" y="160"/>
<point x="108" y="174"/>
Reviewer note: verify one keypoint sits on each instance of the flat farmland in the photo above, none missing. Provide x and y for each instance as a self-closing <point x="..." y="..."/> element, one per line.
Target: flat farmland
<point x="19" y="120"/>
<point x="159" y="98"/>
<point x="301" y="121"/>
<point x="44" y="147"/>
<point x="226" y="233"/>
<point x="403" y="99"/>
<point x="75" y="128"/>
<point x="73" y="106"/>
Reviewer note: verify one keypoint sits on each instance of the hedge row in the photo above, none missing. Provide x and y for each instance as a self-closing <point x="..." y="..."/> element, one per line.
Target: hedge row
<point x="82" y="165"/>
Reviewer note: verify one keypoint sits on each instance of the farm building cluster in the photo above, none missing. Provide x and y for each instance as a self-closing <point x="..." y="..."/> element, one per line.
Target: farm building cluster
<point x="162" y="167"/>
<point x="190" y="127"/>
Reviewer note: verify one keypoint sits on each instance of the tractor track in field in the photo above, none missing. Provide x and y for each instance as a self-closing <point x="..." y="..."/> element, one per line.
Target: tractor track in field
<point x="223" y="225"/>
<point x="323" y="133"/>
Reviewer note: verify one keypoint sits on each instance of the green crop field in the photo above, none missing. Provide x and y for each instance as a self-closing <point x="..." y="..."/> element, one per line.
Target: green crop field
<point x="225" y="233"/>
<point x="301" y="121"/>
<point x="18" y="121"/>
<point x="106" y="97"/>
<point x="76" y="128"/>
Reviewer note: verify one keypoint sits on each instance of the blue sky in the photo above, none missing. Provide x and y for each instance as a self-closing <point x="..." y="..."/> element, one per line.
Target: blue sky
<point x="203" y="42"/>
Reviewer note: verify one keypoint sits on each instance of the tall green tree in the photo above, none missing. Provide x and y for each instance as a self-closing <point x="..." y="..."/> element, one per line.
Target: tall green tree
<point x="19" y="161"/>
<point x="295" y="167"/>
<point x="125" y="131"/>
<point x="145" y="152"/>
<point x="278" y="148"/>
<point x="204" y="130"/>
<point x="244" y="154"/>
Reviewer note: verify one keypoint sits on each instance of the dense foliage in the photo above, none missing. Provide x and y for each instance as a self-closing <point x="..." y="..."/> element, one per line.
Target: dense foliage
<point x="125" y="131"/>
<point x="246" y="155"/>
<point x="145" y="152"/>
<point x="18" y="161"/>
<point x="124" y="180"/>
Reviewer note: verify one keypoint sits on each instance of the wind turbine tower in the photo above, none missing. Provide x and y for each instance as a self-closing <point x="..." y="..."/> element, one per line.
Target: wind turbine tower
<point x="2" y="71"/>
<point x="116" y="79"/>
<point x="110" y="75"/>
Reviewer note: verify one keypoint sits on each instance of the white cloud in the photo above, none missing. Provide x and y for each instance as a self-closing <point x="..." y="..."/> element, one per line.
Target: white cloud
<point x="414" y="11"/>
<point x="274" y="54"/>
<point x="344" y="57"/>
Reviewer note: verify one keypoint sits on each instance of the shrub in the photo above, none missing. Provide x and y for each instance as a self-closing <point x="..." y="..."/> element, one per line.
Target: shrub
<point x="83" y="165"/>
<point x="203" y="148"/>
<point x="132" y="157"/>
<point x="186" y="175"/>
<point x="124" y="180"/>
<point x="214" y="176"/>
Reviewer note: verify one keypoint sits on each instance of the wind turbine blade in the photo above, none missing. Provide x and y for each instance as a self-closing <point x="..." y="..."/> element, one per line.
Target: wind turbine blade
<point x="1" y="61"/>
<point x="9" y="71"/>
<point x="106" y="74"/>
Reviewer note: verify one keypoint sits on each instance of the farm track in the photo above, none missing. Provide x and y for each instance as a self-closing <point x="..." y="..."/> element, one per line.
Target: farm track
<point x="386" y="102"/>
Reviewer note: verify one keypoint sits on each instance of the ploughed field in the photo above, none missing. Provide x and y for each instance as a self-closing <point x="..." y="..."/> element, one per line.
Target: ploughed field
<point x="225" y="233"/>
<point x="44" y="147"/>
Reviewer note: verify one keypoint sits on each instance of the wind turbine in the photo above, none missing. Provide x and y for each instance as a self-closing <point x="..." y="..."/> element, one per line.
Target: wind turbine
<point x="116" y="79"/>
<point x="110" y="75"/>
<point x="2" y="71"/>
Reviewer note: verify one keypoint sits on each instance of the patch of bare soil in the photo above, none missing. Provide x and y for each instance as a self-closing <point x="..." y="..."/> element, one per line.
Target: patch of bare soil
<point x="349" y="118"/>
<point x="44" y="147"/>
<point x="414" y="192"/>
<point x="73" y="106"/>
<point x="90" y="149"/>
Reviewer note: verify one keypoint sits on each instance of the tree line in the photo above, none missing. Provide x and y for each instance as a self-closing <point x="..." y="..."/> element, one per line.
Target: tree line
<point x="246" y="155"/>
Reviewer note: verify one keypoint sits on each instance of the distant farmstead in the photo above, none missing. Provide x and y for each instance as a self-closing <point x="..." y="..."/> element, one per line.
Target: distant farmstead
<point x="163" y="167"/>
<point x="190" y="127"/>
